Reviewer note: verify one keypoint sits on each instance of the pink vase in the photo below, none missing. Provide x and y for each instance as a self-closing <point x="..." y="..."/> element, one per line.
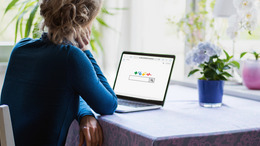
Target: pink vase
<point x="251" y="74"/>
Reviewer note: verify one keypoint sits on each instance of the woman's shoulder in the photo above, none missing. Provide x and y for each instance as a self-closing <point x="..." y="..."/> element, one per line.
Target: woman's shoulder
<point x="27" y="42"/>
<point x="40" y="43"/>
<point x="47" y="46"/>
<point x="75" y="51"/>
<point x="77" y="56"/>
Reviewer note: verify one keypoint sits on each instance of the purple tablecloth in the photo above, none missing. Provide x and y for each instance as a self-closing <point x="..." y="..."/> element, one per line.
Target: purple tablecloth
<point x="183" y="122"/>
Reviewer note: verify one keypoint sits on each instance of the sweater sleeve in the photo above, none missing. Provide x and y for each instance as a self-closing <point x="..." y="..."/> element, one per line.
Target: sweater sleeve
<point x="83" y="110"/>
<point x="98" y="71"/>
<point x="89" y="82"/>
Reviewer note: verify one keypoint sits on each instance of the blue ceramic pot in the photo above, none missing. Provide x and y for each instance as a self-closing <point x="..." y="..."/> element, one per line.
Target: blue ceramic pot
<point x="210" y="93"/>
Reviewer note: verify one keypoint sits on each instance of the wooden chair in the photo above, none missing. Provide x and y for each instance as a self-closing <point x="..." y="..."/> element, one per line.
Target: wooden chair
<point x="6" y="130"/>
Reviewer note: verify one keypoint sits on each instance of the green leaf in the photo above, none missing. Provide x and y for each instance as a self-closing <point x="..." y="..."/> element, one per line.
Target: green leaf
<point x="209" y="74"/>
<point x="10" y="5"/>
<point x="227" y="56"/>
<point x="214" y="56"/>
<point x="216" y="77"/>
<point x="242" y="54"/>
<point x="226" y="74"/>
<point x="96" y="35"/>
<point x="202" y="65"/>
<point x="93" y="46"/>
<point x="30" y="20"/>
<point x="220" y="64"/>
<point x="16" y="29"/>
<point x="102" y="22"/>
<point x="21" y="27"/>
<point x="221" y="77"/>
<point x="234" y="64"/>
<point x="17" y="25"/>
<point x="192" y="72"/>
<point x="203" y="78"/>
<point x="256" y="55"/>
<point x="212" y="4"/>
<point x="22" y="10"/>
<point x="105" y="11"/>
<point x="213" y="66"/>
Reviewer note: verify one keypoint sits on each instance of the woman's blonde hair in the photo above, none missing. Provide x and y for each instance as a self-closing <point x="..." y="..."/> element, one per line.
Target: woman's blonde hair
<point x="67" y="19"/>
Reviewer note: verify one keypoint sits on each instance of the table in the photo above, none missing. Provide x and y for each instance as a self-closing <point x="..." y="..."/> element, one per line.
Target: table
<point x="183" y="122"/>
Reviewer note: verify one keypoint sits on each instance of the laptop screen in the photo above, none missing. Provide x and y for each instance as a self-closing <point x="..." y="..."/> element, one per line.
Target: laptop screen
<point x="143" y="76"/>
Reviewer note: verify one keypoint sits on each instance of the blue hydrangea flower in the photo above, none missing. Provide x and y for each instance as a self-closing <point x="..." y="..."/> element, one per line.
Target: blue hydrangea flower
<point x="189" y="58"/>
<point x="202" y="53"/>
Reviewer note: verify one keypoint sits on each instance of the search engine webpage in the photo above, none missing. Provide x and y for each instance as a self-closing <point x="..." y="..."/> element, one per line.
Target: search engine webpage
<point x="143" y="77"/>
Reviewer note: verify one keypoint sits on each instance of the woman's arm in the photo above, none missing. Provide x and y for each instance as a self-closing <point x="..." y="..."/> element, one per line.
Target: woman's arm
<point x="84" y="109"/>
<point x="88" y="81"/>
<point x="99" y="72"/>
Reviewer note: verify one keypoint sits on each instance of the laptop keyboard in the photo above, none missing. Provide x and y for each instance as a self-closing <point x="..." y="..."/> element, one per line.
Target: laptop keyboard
<point x="132" y="103"/>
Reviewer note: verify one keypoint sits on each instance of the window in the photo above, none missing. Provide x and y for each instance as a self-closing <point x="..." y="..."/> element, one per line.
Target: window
<point x="144" y="27"/>
<point x="244" y="42"/>
<point x="6" y="33"/>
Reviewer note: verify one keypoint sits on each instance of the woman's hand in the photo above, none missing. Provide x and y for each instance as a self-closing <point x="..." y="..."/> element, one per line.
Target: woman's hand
<point x="84" y="39"/>
<point x="90" y="130"/>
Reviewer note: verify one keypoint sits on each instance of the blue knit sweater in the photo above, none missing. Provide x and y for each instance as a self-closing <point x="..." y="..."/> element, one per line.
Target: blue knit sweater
<point x="43" y="85"/>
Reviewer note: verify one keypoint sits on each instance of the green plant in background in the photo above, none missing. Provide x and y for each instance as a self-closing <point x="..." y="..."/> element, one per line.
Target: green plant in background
<point x="195" y="23"/>
<point x="256" y="55"/>
<point x="28" y="20"/>
<point x="211" y="67"/>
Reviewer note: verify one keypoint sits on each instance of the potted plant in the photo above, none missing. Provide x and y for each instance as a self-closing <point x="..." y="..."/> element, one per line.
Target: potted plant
<point x="213" y="70"/>
<point x="251" y="71"/>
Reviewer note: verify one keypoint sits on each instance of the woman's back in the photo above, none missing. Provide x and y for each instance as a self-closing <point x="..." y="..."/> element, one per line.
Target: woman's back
<point x="42" y="89"/>
<point x="55" y="79"/>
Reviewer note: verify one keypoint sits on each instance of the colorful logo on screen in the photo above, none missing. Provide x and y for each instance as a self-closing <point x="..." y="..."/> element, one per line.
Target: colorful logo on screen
<point x="142" y="73"/>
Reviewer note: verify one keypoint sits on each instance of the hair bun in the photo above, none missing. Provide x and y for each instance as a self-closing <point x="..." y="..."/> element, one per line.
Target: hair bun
<point x="66" y="18"/>
<point x="67" y="13"/>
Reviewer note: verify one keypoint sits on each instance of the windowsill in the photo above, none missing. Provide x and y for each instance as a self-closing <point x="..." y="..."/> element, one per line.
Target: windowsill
<point x="234" y="90"/>
<point x="6" y="43"/>
<point x="5" y="51"/>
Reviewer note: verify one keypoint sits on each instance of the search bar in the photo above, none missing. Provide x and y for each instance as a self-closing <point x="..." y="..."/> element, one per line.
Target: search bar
<point x="141" y="79"/>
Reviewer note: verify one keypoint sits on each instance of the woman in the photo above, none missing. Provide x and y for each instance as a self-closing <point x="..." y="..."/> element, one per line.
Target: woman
<point x="47" y="77"/>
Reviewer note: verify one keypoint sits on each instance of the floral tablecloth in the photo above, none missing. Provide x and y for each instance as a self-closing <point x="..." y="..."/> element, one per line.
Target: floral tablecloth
<point x="182" y="122"/>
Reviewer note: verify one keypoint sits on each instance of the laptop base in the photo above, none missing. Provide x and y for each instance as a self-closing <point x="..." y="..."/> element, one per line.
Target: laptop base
<point x="127" y="109"/>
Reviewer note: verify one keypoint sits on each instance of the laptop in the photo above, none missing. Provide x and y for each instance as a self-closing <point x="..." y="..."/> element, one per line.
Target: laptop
<point x="142" y="81"/>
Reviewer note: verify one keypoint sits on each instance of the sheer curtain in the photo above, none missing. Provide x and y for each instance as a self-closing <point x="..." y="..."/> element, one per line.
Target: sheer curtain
<point x="142" y="27"/>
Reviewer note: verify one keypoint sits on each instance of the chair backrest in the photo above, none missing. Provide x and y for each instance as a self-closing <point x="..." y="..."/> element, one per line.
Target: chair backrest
<point x="6" y="130"/>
